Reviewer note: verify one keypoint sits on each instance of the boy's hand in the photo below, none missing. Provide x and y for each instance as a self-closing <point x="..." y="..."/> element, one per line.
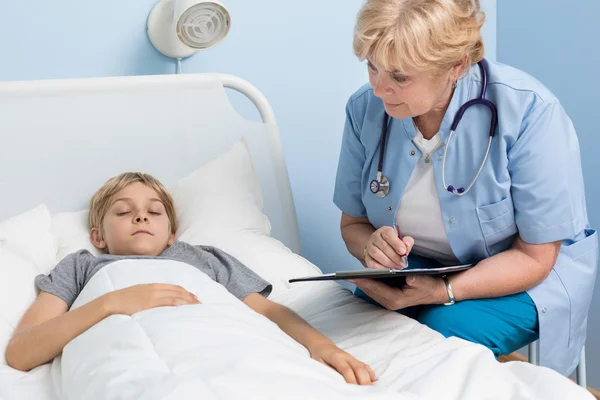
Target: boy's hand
<point x="320" y="347"/>
<point x="352" y="370"/>
<point x="143" y="297"/>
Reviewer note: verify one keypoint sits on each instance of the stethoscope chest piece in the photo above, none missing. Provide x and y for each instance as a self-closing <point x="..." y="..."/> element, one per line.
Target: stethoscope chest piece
<point x="380" y="186"/>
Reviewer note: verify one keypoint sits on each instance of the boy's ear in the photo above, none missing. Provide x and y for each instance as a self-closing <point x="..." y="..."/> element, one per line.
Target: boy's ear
<point x="171" y="239"/>
<point x="97" y="239"/>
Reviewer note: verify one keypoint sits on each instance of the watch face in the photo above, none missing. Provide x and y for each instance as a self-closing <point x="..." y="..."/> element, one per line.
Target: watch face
<point x="374" y="186"/>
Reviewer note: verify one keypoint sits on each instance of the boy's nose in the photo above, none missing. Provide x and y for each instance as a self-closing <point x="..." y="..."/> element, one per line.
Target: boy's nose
<point x="140" y="219"/>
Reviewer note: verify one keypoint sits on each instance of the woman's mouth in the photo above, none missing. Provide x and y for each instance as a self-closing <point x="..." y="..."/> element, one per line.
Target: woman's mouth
<point x="391" y="105"/>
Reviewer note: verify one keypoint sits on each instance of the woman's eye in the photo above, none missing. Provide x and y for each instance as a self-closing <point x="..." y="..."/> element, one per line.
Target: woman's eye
<point x="400" y="78"/>
<point x="371" y="66"/>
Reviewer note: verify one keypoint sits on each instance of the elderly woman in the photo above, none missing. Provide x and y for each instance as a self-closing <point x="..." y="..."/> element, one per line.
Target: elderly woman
<point x="497" y="185"/>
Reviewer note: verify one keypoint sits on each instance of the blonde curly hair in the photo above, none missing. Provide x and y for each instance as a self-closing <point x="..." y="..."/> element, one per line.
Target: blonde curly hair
<point x="419" y="35"/>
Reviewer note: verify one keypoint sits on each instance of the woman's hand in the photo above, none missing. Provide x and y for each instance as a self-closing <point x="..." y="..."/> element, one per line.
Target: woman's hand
<point x="350" y="368"/>
<point x="419" y="290"/>
<point x="385" y="250"/>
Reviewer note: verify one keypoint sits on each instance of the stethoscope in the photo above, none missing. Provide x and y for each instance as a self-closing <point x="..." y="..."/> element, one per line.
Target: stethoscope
<point x="380" y="186"/>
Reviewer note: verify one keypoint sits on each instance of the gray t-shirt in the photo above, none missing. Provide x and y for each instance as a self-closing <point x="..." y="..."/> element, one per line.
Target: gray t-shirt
<point x="73" y="272"/>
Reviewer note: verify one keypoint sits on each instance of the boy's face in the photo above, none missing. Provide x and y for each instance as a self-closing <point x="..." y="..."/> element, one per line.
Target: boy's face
<point x="136" y="224"/>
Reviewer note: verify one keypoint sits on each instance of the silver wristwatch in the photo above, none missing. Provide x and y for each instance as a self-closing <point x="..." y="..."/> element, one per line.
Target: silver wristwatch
<point x="449" y="289"/>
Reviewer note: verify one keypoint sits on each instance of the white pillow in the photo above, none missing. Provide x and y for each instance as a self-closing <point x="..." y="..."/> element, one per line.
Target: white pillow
<point x="224" y="195"/>
<point x="26" y="249"/>
<point x="263" y="254"/>
<point x="201" y="200"/>
<point x="28" y="234"/>
<point x="70" y="232"/>
<point x="17" y="293"/>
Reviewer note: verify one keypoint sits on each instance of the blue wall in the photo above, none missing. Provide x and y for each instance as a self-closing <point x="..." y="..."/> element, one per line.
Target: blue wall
<point x="557" y="42"/>
<point x="299" y="54"/>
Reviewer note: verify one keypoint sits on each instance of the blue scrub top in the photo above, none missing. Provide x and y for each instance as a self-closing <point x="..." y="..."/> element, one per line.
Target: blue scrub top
<point x="531" y="184"/>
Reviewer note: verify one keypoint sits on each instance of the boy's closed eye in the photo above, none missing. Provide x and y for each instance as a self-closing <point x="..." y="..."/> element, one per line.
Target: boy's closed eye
<point x="122" y="213"/>
<point x="156" y="209"/>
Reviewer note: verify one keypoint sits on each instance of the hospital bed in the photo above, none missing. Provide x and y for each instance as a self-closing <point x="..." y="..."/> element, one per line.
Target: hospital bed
<point x="61" y="139"/>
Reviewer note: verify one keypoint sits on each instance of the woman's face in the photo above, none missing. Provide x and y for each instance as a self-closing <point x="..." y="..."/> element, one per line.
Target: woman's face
<point x="413" y="94"/>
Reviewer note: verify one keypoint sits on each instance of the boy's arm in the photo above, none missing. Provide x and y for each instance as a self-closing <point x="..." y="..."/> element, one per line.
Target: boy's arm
<point x="319" y="346"/>
<point x="47" y="326"/>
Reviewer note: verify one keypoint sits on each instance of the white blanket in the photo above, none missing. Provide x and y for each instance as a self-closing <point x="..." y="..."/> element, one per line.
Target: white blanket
<point x="221" y="349"/>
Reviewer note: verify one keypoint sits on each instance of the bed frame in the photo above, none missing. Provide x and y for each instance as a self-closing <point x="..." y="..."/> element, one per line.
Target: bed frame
<point x="61" y="139"/>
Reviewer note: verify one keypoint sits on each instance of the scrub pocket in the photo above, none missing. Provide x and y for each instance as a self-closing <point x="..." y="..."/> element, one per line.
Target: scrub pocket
<point x="497" y="222"/>
<point x="576" y="266"/>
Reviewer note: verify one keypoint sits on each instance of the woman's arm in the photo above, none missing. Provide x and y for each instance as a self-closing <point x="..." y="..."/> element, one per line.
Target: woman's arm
<point x="356" y="232"/>
<point x="515" y="270"/>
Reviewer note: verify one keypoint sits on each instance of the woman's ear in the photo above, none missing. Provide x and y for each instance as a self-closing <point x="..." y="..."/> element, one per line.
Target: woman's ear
<point x="97" y="239"/>
<point x="459" y="69"/>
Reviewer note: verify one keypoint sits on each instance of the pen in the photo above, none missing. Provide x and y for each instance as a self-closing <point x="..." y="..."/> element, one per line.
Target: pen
<point x="404" y="257"/>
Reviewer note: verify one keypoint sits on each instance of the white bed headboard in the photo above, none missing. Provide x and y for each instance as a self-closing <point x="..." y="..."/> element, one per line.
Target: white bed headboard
<point x="61" y="139"/>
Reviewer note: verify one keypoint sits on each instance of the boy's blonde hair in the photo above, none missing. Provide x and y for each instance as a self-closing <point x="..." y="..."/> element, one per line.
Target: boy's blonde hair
<point x="419" y="35"/>
<point x="101" y="200"/>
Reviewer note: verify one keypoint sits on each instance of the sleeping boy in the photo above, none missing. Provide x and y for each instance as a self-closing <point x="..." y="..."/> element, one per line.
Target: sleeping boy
<point x="132" y="216"/>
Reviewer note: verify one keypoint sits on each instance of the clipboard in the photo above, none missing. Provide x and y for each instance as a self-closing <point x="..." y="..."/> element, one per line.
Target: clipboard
<point x="392" y="277"/>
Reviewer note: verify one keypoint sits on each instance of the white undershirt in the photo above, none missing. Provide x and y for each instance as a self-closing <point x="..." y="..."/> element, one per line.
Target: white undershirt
<point x="419" y="213"/>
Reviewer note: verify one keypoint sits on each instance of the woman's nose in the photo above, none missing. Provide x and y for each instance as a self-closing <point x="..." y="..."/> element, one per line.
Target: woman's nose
<point x="380" y="87"/>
